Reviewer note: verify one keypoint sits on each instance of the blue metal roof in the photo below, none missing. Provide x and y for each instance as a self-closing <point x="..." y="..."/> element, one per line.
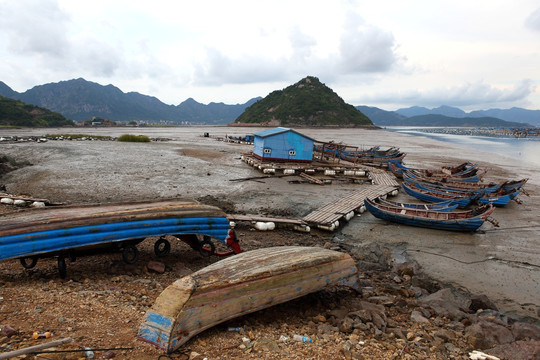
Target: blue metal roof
<point x="278" y="130"/>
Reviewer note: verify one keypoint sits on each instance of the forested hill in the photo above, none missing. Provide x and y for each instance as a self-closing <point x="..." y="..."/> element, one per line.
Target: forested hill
<point x="306" y="103"/>
<point x="17" y="113"/>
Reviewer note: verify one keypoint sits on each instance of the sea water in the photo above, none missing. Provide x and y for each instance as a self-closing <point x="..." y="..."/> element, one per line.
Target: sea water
<point x="523" y="149"/>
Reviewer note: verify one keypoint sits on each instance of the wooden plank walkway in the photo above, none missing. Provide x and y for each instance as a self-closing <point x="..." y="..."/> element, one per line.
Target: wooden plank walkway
<point x="337" y="209"/>
<point x="382" y="177"/>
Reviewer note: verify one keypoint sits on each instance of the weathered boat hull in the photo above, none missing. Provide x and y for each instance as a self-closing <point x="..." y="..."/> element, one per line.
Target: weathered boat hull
<point x="239" y="285"/>
<point x="465" y="221"/>
<point x="440" y="206"/>
<point x="425" y="195"/>
<point x="62" y="231"/>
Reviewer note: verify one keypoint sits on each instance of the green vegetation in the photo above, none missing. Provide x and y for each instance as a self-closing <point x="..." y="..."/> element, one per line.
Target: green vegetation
<point x="306" y="103"/>
<point x="17" y="113"/>
<point x="134" y="138"/>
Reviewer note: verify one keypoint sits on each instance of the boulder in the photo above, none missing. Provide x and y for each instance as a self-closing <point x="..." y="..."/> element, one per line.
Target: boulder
<point x="519" y="350"/>
<point x="486" y="334"/>
<point x="481" y="302"/>
<point x="446" y="303"/>
<point x="525" y="331"/>
<point x="156" y="266"/>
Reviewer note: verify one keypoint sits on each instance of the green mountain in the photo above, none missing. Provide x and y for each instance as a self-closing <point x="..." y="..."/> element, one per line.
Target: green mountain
<point x="441" y="120"/>
<point x="306" y="103"/>
<point x="17" y="113"/>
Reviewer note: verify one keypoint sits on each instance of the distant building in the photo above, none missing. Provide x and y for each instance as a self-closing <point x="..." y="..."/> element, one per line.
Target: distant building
<point x="282" y="144"/>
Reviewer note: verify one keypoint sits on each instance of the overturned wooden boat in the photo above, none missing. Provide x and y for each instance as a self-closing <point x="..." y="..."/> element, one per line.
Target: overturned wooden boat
<point x="468" y="220"/>
<point x="239" y="285"/>
<point x="75" y="230"/>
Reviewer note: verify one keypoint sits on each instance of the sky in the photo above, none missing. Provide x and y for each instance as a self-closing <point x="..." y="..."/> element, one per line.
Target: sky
<point x="474" y="55"/>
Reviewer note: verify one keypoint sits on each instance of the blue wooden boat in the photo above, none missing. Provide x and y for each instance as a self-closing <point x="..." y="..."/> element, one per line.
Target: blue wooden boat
<point x="468" y="220"/>
<point x="483" y="196"/>
<point x="440" y="206"/>
<point x="71" y="231"/>
<point x="465" y="172"/>
<point x="506" y="186"/>
<point x="435" y="197"/>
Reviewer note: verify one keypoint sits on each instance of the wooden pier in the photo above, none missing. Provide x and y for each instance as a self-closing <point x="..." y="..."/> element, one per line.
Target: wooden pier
<point x="327" y="216"/>
<point x="382" y="177"/>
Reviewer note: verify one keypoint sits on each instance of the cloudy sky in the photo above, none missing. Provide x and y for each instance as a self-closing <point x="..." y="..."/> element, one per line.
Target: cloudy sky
<point x="471" y="54"/>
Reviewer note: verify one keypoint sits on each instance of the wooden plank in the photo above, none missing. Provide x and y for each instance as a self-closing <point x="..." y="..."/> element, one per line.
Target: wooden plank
<point x="311" y="179"/>
<point x="335" y="210"/>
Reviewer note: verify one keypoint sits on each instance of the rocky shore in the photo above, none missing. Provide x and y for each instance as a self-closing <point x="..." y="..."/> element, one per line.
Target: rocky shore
<point x="404" y="311"/>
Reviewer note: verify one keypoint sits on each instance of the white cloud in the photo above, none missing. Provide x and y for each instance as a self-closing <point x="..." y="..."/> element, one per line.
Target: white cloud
<point x="533" y="20"/>
<point x="464" y="95"/>
<point x="365" y="48"/>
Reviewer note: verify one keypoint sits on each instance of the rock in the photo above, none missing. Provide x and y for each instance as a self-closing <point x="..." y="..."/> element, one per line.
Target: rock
<point x="156" y="266"/>
<point x="346" y="325"/>
<point x="38" y="204"/>
<point x="485" y="334"/>
<point x="6" y="201"/>
<point x="407" y="268"/>
<point x="416" y="316"/>
<point x="481" y="302"/>
<point x="108" y="355"/>
<point x="372" y="256"/>
<point x="425" y="282"/>
<point x="525" y="331"/>
<point x="266" y="345"/>
<point x="519" y="350"/>
<point x="8" y="331"/>
<point x="446" y="303"/>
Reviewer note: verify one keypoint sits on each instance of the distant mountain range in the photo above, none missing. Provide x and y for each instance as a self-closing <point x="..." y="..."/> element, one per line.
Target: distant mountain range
<point x="80" y="100"/>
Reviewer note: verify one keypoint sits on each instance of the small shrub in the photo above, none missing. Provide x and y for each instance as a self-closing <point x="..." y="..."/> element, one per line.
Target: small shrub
<point x="134" y="138"/>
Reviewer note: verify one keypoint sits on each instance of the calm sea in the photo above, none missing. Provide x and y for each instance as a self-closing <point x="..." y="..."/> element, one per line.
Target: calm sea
<point x="524" y="149"/>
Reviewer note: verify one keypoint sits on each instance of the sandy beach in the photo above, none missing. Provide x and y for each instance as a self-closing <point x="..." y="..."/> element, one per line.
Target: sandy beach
<point x="501" y="263"/>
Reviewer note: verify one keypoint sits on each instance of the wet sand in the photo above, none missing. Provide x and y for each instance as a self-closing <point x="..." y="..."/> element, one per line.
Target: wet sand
<point x="502" y="263"/>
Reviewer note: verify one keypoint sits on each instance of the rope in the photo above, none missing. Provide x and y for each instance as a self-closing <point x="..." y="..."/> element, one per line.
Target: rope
<point x="491" y="258"/>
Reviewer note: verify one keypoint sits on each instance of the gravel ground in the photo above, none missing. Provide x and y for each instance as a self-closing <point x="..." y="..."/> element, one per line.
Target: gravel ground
<point x="102" y="302"/>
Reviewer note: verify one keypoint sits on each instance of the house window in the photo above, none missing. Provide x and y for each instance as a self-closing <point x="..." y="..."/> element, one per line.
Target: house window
<point x="292" y="152"/>
<point x="267" y="151"/>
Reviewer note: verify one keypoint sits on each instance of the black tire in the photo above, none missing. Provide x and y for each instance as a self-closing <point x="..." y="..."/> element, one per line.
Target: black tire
<point x="62" y="270"/>
<point x="206" y="247"/>
<point x="130" y="254"/>
<point x="162" y="248"/>
<point x="28" y="265"/>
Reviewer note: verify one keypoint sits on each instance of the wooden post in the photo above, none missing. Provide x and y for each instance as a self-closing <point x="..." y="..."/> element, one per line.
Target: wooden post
<point x="34" y="349"/>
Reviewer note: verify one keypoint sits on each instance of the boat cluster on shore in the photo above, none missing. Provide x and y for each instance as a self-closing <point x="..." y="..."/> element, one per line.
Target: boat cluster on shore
<point x="449" y="187"/>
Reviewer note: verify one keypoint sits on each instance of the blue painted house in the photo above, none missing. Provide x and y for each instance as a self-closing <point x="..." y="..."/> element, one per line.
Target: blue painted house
<point x="282" y="144"/>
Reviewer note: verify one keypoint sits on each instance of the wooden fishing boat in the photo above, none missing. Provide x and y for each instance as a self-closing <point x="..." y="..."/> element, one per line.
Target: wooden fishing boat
<point x="469" y="220"/>
<point x="465" y="172"/>
<point x="506" y="186"/>
<point x="239" y="285"/>
<point x="71" y="231"/>
<point x="435" y="197"/>
<point x="483" y="196"/>
<point x="440" y="206"/>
